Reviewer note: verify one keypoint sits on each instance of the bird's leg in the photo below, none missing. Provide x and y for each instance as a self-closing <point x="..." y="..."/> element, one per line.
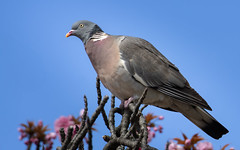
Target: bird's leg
<point x="125" y="103"/>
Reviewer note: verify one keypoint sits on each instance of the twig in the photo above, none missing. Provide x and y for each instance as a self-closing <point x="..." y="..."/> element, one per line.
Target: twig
<point x="76" y="140"/>
<point x="84" y="117"/>
<point x="62" y="135"/>
<point x="123" y="135"/>
<point x="150" y="148"/>
<point x="38" y="146"/>
<point x="139" y="141"/>
<point x="29" y="146"/>
<point x="43" y="148"/>
<point x="167" y="145"/>
<point x="90" y="146"/>
<point x="134" y="117"/>
<point x="143" y="107"/>
<point x="76" y="128"/>
<point x="125" y="121"/>
<point x="81" y="145"/>
<point x="139" y="102"/>
<point x="112" y="144"/>
<point x="105" y="118"/>
<point x="99" y="94"/>
<point x="143" y="127"/>
<point x="69" y="136"/>
<point x="99" y="97"/>
<point x="130" y="131"/>
<point x="142" y="121"/>
<point x="112" y="119"/>
<point x="106" y="138"/>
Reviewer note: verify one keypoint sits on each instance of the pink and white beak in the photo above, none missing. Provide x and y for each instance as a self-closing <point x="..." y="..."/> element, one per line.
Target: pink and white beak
<point x="69" y="33"/>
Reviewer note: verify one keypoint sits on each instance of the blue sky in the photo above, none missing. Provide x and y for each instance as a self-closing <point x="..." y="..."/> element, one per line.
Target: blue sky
<point x="44" y="75"/>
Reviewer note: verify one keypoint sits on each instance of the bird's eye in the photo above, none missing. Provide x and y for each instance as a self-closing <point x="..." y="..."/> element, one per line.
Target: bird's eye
<point x="81" y="25"/>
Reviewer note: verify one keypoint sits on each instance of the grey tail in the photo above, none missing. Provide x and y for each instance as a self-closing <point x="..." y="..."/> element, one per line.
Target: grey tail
<point x="205" y="121"/>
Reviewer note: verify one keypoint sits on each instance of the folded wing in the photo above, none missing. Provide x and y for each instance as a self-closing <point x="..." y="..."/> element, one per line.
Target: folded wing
<point x="149" y="67"/>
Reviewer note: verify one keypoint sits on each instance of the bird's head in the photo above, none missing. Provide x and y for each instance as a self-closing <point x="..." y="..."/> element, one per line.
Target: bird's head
<point x="84" y="30"/>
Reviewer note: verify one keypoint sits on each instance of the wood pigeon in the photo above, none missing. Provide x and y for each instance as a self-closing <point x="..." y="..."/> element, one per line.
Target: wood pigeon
<point x="127" y="65"/>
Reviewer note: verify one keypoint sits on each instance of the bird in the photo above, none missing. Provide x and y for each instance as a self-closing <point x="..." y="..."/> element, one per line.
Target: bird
<point x="127" y="65"/>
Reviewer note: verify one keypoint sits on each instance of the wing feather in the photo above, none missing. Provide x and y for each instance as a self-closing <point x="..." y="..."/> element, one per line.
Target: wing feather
<point x="149" y="67"/>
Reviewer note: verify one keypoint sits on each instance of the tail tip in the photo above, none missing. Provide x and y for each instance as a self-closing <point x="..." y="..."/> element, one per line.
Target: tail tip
<point x="215" y="130"/>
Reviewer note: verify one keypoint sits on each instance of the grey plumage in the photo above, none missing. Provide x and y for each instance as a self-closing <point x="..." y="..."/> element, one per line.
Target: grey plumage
<point x="126" y="65"/>
<point x="159" y="73"/>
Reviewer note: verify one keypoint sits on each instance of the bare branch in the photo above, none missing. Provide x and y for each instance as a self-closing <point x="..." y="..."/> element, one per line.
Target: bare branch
<point x="114" y="143"/>
<point x="68" y="139"/>
<point x="106" y="138"/>
<point x="112" y="119"/>
<point x="81" y="146"/>
<point x="99" y="97"/>
<point x="125" y="121"/>
<point x="79" y="137"/>
<point x="62" y="134"/>
<point x="84" y="117"/>
<point x="90" y="147"/>
<point x="131" y="137"/>
<point x="139" y="102"/>
<point x="131" y="133"/>
<point x="143" y="107"/>
<point x="99" y="93"/>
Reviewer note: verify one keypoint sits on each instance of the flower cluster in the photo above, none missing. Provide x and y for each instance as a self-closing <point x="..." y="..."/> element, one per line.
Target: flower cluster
<point x="151" y="126"/>
<point x="36" y="134"/>
<point x="191" y="144"/>
<point x="67" y="121"/>
<point x="63" y="122"/>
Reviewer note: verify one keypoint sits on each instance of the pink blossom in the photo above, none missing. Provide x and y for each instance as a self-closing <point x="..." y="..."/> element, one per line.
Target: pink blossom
<point x="51" y="135"/>
<point x="160" y="128"/>
<point x="231" y="148"/>
<point x="148" y="128"/>
<point x="20" y="130"/>
<point x="23" y="135"/>
<point x="49" y="145"/>
<point x="179" y="147"/>
<point x="63" y="122"/>
<point x="27" y="142"/>
<point x="40" y="123"/>
<point x="81" y="113"/>
<point x="187" y="142"/>
<point x="155" y="129"/>
<point x="204" y="146"/>
<point x="160" y="117"/>
<point x="174" y="146"/>
<point x="20" y="137"/>
<point x="151" y="135"/>
<point x="34" y="140"/>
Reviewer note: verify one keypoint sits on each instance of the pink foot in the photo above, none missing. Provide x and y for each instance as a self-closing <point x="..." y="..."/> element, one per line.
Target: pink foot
<point x="125" y="103"/>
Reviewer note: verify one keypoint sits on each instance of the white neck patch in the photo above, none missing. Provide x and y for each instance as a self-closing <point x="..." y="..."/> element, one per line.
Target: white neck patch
<point x="99" y="36"/>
